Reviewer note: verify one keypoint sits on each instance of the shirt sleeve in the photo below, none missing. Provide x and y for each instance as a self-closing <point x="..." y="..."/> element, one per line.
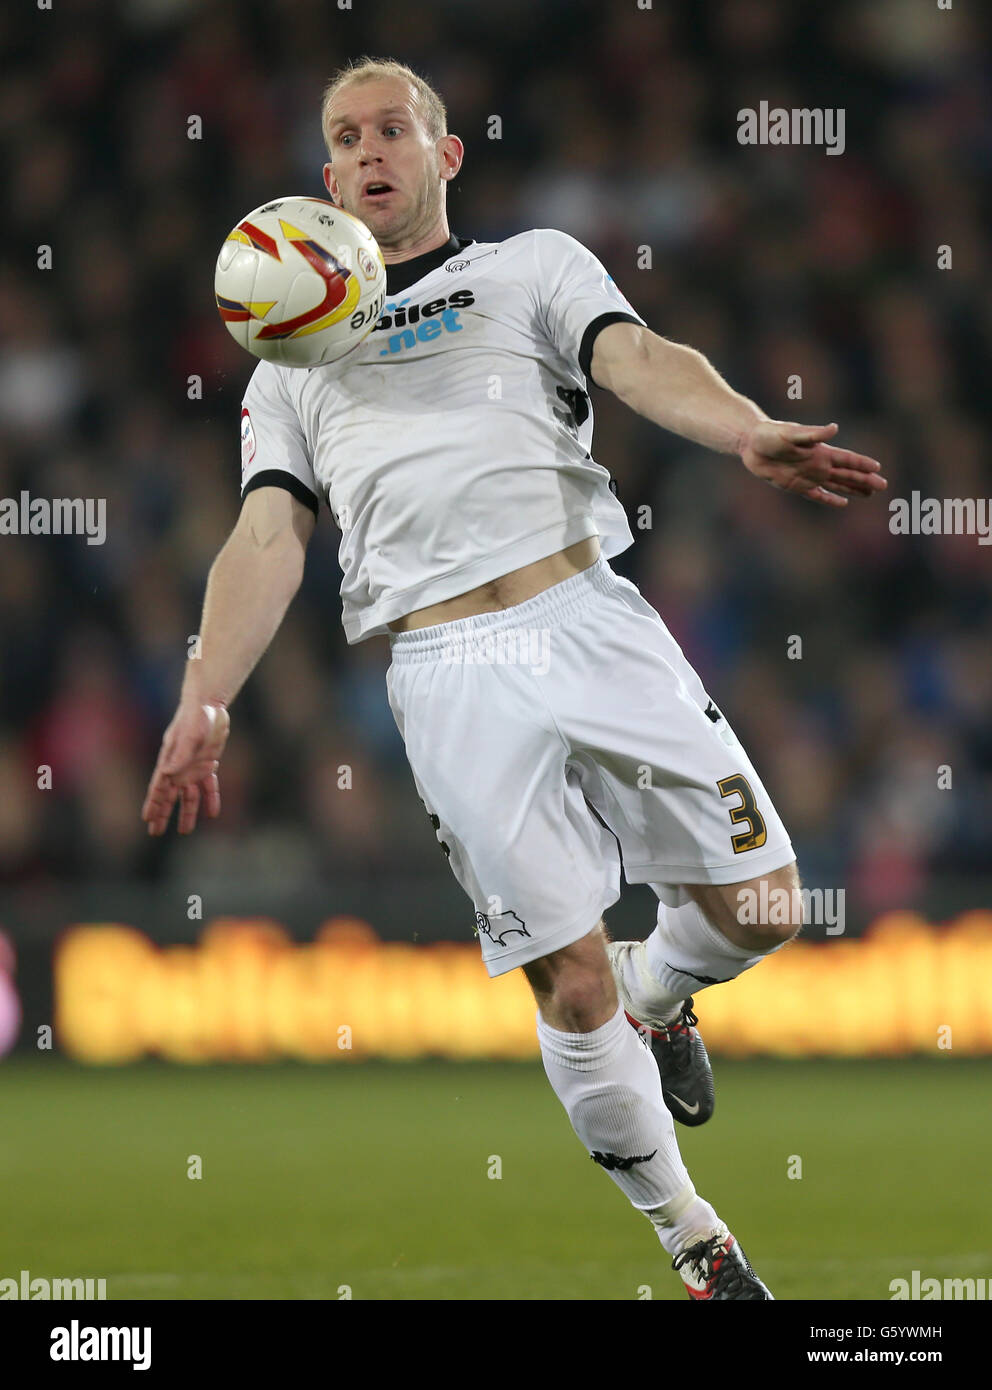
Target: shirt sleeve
<point x="273" y="449"/>
<point x="577" y="296"/>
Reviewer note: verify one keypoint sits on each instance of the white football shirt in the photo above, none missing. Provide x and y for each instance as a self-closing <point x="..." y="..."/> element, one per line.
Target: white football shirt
<point x="453" y="446"/>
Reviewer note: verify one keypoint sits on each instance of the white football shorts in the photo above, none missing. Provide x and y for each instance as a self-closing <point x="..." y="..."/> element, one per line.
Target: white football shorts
<point x="551" y="738"/>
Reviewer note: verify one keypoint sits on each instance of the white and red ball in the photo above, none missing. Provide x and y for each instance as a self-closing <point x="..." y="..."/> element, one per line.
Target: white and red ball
<point x="300" y="282"/>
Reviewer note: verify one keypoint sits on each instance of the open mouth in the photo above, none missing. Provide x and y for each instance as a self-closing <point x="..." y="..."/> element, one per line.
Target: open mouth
<point x="378" y="190"/>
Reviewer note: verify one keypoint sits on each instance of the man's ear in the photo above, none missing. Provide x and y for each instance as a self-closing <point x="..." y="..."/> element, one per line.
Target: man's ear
<point x="330" y="182"/>
<point x="450" y="152"/>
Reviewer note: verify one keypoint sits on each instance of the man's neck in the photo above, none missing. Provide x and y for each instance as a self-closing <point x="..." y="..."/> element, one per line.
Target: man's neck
<point x="430" y="241"/>
<point x="413" y="264"/>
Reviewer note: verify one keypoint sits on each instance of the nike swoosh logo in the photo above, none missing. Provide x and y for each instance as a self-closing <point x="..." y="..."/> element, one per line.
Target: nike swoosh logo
<point x="689" y="1109"/>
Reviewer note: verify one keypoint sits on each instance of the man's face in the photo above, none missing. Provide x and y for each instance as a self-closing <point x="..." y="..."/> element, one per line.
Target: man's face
<point x="377" y="137"/>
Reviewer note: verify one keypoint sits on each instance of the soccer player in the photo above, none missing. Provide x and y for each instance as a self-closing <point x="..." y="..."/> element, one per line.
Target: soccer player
<point x="532" y="685"/>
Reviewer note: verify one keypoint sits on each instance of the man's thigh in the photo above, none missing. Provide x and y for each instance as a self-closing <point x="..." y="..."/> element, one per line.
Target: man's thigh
<point x="508" y="812"/>
<point x="657" y="758"/>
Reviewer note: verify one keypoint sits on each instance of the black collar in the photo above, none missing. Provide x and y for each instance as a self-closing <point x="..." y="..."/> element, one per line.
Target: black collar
<point x="402" y="274"/>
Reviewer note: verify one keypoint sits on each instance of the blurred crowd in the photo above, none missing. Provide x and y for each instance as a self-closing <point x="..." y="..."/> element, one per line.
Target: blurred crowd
<point x="619" y="126"/>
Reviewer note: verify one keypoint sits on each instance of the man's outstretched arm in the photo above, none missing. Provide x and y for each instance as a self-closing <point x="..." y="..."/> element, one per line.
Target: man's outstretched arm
<point x="251" y="584"/>
<point x="677" y="388"/>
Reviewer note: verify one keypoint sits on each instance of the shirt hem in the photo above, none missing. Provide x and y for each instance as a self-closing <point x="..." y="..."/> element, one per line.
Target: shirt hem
<point x="373" y="623"/>
<point x="545" y="943"/>
<point x="740" y="870"/>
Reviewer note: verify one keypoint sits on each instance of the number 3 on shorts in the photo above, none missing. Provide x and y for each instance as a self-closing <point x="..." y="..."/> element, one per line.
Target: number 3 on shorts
<point x="754" y="837"/>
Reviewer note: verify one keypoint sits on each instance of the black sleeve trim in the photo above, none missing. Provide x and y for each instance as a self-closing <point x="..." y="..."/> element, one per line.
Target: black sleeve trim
<point x="275" y="477"/>
<point x="589" y="338"/>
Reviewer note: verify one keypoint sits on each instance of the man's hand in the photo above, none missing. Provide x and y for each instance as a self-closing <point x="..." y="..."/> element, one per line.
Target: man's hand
<point x="187" y="767"/>
<point x="797" y="458"/>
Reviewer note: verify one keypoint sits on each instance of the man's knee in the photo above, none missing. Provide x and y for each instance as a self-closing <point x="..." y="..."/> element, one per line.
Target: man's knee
<point x="574" y="987"/>
<point x="758" y="914"/>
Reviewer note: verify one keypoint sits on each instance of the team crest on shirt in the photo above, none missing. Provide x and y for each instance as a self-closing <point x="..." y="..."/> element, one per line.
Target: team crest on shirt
<point x="247" y="441"/>
<point x="502" y="927"/>
<point x="454" y="267"/>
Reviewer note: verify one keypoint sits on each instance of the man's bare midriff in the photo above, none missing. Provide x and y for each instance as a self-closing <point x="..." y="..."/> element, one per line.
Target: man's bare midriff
<point x="509" y="589"/>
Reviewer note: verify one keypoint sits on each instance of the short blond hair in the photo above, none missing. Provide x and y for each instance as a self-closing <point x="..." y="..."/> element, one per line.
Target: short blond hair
<point x="432" y="108"/>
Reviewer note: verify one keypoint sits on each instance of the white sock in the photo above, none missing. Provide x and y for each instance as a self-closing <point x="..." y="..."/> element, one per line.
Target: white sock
<point x="687" y="1219"/>
<point x="684" y="954"/>
<point x="609" y="1084"/>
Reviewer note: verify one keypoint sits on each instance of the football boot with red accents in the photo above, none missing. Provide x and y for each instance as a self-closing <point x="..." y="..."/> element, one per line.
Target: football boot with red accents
<point x="716" y="1268"/>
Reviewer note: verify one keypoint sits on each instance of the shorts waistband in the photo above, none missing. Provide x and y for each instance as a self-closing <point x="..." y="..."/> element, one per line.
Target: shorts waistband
<point x="548" y="609"/>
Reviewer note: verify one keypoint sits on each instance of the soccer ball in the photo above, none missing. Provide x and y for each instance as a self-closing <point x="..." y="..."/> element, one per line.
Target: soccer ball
<point x="300" y="282"/>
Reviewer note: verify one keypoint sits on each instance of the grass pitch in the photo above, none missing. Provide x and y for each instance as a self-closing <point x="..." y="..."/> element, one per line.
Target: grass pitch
<point x="377" y="1177"/>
